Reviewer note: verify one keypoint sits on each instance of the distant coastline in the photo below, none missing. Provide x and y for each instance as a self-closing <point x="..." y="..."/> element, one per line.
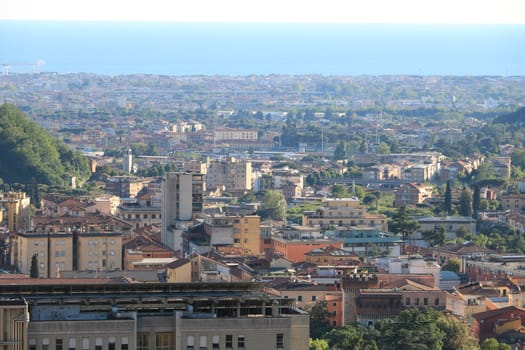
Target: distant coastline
<point x="117" y="48"/>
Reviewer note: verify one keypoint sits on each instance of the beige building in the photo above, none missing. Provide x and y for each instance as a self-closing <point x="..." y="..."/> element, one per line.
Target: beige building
<point x="98" y="251"/>
<point x="227" y="134"/>
<point x="14" y="318"/>
<point x="241" y="232"/>
<point x="344" y="212"/>
<point x="179" y="271"/>
<point x="53" y="251"/>
<point x="17" y="208"/>
<point x="66" y="251"/>
<point x="234" y="174"/>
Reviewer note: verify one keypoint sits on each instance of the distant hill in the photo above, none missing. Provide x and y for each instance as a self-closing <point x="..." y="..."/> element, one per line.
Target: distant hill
<point x="28" y="152"/>
<point x="517" y="117"/>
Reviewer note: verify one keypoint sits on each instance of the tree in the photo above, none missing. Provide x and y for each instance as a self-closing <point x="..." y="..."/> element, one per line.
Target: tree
<point x="273" y="206"/>
<point x="319" y="324"/>
<point x="476" y="201"/>
<point x="493" y="344"/>
<point x="448" y="199"/>
<point x="354" y="336"/>
<point x="383" y="148"/>
<point x="402" y="223"/>
<point x="33" y="272"/>
<point x="340" y="151"/>
<point x="318" y="344"/>
<point x="415" y="330"/>
<point x="451" y="265"/>
<point x="465" y="203"/>
<point x="340" y="191"/>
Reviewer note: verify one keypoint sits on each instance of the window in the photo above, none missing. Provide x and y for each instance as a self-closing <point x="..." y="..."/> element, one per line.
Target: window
<point x="111" y="346"/>
<point x="407" y="301"/>
<point x="32" y="347"/>
<point x="299" y="298"/>
<point x="98" y="344"/>
<point x="215" y="342"/>
<point x="59" y="344"/>
<point x="425" y="301"/>
<point x="314" y="297"/>
<point x="436" y="301"/>
<point x="142" y="341"/>
<point x="190" y="343"/>
<point x="163" y="341"/>
<point x="417" y="301"/>
<point x="229" y="341"/>
<point x="85" y="344"/>
<point x="279" y="341"/>
<point x="203" y="342"/>
<point x="72" y="344"/>
<point x="240" y="342"/>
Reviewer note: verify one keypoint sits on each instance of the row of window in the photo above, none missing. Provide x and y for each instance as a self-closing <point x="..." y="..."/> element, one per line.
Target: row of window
<point x="84" y="344"/>
<point x="163" y="341"/>
<point x="425" y="301"/>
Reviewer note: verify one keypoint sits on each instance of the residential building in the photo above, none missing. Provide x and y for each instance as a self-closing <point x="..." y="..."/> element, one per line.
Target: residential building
<point x="451" y="224"/>
<point x="331" y="256"/>
<point x="179" y="271"/>
<point x="344" y="212"/>
<point x="143" y="212"/>
<point x="412" y="194"/>
<point x="234" y="174"/>
<point x="295" y="249"/>
<point x="501" y="166"/>
<point x="181" y="202"/>
<point x="513" y="202"/>
<point x="17" y="209"/>
<point x="241" y="232"/>
<point x="367" y="241"/>
<point x="124" y="186"/>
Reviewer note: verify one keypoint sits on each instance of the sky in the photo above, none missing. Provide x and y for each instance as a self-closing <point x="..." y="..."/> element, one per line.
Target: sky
<point x="292" y="11"/>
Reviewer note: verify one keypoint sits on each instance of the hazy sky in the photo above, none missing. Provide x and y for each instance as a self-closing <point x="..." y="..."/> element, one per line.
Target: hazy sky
<point x="346" y="11"/>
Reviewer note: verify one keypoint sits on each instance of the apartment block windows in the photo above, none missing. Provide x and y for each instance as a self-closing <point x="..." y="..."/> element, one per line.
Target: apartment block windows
<point x="229" y="342"/>
<point x="215" y="342"/>
<point x="279" y="341"/>
<point x="142" y="341"/>
<point x="240" y="342"/>
<point x="59" y="344"/>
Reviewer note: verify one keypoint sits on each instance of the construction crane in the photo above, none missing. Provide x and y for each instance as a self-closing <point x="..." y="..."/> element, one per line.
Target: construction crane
<point x="6" y="66"/>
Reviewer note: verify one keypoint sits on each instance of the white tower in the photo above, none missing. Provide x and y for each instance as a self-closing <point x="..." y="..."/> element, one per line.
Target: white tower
<point x="127" y="162"/>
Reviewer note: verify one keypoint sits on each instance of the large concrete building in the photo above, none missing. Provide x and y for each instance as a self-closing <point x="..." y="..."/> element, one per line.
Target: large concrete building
<point x="234" y="174"/>
<point x="182" y="200"/>
<point x="67" y="251"/>
<point x="95" y="314"/>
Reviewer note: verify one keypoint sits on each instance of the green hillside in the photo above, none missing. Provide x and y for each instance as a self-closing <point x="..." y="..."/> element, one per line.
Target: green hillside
<point x="27" y="151"/>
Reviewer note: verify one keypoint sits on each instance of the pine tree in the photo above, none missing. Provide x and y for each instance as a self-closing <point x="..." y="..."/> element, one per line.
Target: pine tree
<point x="465" y="203"/>
<point x="448" y="199"/>
<point x="33" y="272"/>
<point x="476" y="200"/>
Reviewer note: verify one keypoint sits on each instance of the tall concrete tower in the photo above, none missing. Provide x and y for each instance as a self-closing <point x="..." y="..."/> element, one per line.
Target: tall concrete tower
<point x="127" y="161"/>
<point x="181" y="203"/>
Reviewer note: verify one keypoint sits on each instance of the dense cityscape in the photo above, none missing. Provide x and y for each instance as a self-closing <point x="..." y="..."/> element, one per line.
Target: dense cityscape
<point x="258" y="212"/>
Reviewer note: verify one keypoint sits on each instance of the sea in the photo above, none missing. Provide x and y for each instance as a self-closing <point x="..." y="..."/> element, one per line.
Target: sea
<point x="168" y="48"/>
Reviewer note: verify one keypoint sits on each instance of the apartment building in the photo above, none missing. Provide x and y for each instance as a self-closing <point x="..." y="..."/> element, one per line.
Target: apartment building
<point x="67" y="251"/>
<point x="240" y="232"/>
<point x="344" y="212"/>
<point x="17" y="209"/>
<point x="182" y="201"/>
<point x="234" y="174"/>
